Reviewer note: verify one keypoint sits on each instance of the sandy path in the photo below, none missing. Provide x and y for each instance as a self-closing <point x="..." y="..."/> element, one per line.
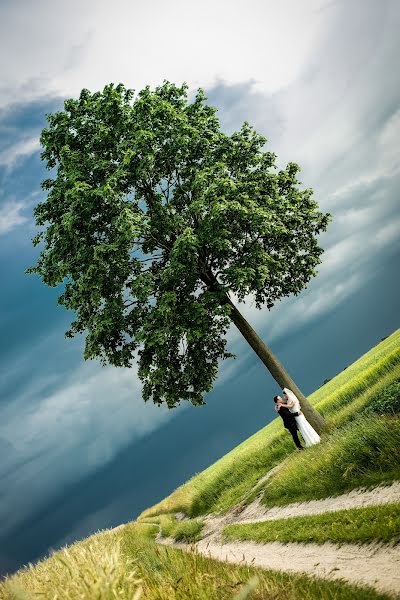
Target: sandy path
<point x="354" y="499"/>
<point x="375" y="566"/>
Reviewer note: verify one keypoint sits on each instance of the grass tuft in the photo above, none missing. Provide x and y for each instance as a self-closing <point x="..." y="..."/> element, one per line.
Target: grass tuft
<point x="188" y="530"/>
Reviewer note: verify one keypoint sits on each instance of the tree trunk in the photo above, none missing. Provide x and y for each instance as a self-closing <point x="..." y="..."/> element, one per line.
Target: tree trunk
<point x="273" y="365"/>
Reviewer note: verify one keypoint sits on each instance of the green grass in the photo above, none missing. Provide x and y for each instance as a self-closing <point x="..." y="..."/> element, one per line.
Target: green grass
<point x="342" y="400"/>
<point x="388" y="401"/>
<point x="356" y="369"/>
<point x="93" y="568"/>
<point x="356" y="526"/>
<point x="367" y="401"/>
<point x="359" y="383"/>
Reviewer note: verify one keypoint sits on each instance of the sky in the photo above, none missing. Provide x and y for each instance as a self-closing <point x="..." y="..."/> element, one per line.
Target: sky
<point x="80" y="450"/>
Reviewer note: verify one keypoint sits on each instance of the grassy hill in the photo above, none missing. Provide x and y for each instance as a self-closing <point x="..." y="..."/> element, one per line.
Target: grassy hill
<point x="359" y="449"/>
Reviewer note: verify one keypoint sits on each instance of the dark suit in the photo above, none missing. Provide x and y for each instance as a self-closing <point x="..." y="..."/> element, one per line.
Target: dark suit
<point x="289" y="422"/>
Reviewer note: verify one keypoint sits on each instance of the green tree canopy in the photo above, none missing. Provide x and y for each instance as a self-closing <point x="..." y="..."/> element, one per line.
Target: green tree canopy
<point x="152" y="217"/>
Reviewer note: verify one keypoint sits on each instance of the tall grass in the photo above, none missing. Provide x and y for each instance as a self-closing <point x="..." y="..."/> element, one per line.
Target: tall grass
<point x="126" y="564"/>
<point x="358" y="384"/>
<point x="94" y="568"/>
<point x="366" y="400"/>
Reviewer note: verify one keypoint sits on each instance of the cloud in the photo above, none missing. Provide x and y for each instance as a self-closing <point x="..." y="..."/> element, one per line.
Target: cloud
<point x="61" y="49"/>
<point x="11" y="216"/>
<point x="386" y="162"/>
<point x="344" y="135"/>
<point x="239" y="102"/>
<point x="342" y="132"/>
<point x="10" y="156"/>
<point x="334" y="117"/>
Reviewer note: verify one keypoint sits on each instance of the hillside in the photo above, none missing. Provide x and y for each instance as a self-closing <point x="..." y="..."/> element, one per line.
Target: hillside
<point x="256" y="505"/>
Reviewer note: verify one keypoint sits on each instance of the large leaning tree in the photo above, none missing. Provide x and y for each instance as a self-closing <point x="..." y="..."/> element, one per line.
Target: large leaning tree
<point x="153" y="218"/>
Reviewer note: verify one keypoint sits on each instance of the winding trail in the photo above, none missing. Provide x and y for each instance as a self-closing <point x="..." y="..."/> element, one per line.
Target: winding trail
<point x="374" y="565"/>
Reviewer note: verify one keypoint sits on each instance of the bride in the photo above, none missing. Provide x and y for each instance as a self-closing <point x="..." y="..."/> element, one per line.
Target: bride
<point x="309" y="435"/>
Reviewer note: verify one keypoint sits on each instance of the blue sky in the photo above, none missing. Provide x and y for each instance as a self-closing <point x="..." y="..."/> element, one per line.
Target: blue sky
<point x="80" y="450"/>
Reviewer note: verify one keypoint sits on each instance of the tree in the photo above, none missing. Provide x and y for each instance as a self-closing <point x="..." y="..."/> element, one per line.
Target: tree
<point x="153" y="218"/>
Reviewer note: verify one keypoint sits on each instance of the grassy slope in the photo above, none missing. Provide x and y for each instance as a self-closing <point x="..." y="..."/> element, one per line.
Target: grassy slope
<point x="349" y="456"/>
<point x="93" y="568"/>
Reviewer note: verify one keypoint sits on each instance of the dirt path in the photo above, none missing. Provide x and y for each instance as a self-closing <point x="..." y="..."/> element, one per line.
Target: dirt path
<point x="354" y="499"/>
<point x="377" y="566"/>
<point x="374" y="565"/>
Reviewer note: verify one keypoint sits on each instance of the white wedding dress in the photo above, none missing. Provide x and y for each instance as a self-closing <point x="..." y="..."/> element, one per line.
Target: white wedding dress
<point x="308" y="433"/>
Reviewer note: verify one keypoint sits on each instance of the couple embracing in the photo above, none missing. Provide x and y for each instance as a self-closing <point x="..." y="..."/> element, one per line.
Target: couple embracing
<point x="289" y="409"/>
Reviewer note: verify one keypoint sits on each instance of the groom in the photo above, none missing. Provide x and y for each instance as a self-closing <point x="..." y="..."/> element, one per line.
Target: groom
<point x="289" y="420"/>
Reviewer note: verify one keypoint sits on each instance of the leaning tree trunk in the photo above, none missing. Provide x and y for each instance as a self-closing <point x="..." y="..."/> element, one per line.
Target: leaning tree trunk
<point x="273" y="365"/>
